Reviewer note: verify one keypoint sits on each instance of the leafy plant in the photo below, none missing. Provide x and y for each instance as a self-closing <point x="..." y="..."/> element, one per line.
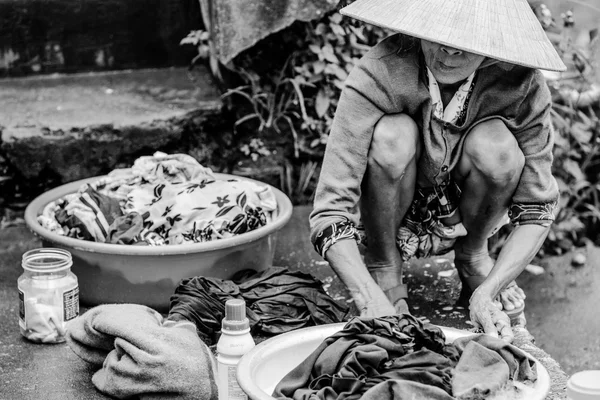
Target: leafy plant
<point x="300" y="99"/>
<point x="274" y="107"/>
<point x="291" y="99"/>
<point x="334" y="45"/>
<point x="575" y="116"/>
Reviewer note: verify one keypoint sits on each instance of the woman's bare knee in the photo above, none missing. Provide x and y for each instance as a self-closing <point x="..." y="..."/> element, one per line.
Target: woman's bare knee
<point x="396" y="142"/>
<point x="494" y="151"/>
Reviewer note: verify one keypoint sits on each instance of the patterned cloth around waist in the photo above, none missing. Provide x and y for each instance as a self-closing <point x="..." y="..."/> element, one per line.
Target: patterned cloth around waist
<point x="421" y="233"/>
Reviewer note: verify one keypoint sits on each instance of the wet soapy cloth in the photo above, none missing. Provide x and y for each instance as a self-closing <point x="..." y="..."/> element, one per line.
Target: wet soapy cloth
<point x="142" y="355"/>
<point x="487" y="364"/>
<point x="399" y="357"/>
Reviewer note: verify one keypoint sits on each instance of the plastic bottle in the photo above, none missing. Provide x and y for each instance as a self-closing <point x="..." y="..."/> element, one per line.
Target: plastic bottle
<point x="235" y="341"/>
<point x="48" y="295"/>
<point x="584" y="385"/>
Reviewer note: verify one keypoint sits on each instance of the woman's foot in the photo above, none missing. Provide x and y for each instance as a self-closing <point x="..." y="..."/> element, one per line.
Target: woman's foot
<point x="473" y="269"/>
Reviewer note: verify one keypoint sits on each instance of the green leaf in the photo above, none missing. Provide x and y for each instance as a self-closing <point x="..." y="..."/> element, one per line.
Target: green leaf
<point x="328" y="54"/>
<point x="321" y="29"/>
<point x="573" y="169"/>
<point x="581" y="133"/>
<point x="336" y="18"/>
<point x="338" y="30"/>
<point x="339" y="72"/>
<point x="318" y="67"/>
<point x="359" y="33"/>
<point x="244" y="119"/>
<point x="322" y="103"/>
<point x="572" y="224"/>
<point x="315" y="49"/>
<point x="300" y="95"/>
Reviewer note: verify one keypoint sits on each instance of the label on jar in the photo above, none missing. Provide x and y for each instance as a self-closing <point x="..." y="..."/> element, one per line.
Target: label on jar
<point x="71" y="304"/>
<point x="21" y="309"/>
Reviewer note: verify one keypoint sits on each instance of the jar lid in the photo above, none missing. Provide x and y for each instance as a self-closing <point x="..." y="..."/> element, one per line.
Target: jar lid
<point x="46" y="260"/>
<point x="584" y="385"/>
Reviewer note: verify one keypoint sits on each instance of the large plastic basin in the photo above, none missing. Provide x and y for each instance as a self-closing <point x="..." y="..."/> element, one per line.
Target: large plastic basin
<point x="263" y="367"/>
<point x="111" y="273"/>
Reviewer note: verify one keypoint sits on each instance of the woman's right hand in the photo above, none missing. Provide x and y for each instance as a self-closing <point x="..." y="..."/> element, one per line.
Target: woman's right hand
<point x="372" y="302"/>
<point x="378" y="310"/>
<point x="346" y="261"/>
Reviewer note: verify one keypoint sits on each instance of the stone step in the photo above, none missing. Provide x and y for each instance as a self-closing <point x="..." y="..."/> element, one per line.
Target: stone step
<point x="79" y="125"/>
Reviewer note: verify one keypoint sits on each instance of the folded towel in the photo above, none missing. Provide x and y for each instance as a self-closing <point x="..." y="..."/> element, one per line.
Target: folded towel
<point x="143" y="355"/>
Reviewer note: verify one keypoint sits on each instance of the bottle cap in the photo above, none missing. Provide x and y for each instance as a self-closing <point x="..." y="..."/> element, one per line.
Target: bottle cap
<point x="584" y="385"/>
<point x="235" y="316"/>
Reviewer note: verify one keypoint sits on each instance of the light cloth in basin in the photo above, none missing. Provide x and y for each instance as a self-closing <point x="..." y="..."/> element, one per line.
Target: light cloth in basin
<point x="164" y="199"/>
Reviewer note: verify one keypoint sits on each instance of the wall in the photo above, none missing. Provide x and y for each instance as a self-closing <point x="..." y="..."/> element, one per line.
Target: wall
<point x="44" y="36"/>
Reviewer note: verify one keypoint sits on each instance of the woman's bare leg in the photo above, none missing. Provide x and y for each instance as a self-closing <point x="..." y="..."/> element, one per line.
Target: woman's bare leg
<point x="488" y="172"/>
<point x="388" y="189"/>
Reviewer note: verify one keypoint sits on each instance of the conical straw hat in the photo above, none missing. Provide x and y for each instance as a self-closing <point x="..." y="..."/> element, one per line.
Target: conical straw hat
<point x="506" y="30"/>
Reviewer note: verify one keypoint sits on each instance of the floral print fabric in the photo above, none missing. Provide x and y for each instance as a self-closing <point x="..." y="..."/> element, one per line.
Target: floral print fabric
<point x="540" y="214"/>
<point x="200" y="211"/>
<point x="161" y="200"/>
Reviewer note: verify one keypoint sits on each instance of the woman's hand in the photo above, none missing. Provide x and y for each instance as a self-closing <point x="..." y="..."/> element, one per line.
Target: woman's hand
<point x="372" y="302"/>
<point x="374" y="309"/>
<point x="486" y="315"/>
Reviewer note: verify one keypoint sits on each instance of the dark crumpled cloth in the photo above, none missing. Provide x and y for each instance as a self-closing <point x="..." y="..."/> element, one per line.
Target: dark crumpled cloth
<point x="368" y="352"/>
<point x="399" y="357"/>
<point x="88" y="215"/>
<point x="277" y="301"/>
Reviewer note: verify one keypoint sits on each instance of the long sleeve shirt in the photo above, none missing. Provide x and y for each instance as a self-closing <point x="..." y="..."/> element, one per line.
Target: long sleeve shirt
<point x="390" y="79"/>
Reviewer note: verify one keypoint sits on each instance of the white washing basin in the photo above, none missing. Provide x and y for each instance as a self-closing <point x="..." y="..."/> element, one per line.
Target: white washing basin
<point x="263" y="367"/>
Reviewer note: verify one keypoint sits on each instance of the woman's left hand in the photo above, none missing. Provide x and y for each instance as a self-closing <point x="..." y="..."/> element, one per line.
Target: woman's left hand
<point x="487" y="316"/>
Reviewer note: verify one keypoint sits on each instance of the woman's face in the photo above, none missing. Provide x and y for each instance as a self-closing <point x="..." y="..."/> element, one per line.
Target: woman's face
<point x="449" y="65"/>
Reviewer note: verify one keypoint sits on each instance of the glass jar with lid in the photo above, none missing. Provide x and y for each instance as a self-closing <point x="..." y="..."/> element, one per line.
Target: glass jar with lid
<point x="48" y="295"/>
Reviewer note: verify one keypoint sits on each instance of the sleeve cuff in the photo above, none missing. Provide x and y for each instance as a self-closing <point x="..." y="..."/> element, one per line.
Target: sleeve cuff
<point x="333" y="234"/>
<point x="532" y="213"/>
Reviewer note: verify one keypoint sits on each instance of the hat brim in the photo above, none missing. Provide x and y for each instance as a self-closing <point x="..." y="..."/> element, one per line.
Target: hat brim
<point x="411" y="18"/>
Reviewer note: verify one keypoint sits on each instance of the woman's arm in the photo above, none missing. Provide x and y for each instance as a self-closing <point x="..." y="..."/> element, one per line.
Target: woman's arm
<point x="532" y="205"/>
<point x="346" y="261"/>
<point x="518" y="251"/>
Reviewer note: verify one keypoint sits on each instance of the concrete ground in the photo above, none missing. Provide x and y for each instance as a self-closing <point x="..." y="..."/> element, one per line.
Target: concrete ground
<point x="562" y="310"/>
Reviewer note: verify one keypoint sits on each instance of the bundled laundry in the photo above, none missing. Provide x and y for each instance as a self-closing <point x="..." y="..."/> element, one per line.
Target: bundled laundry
<point x="277" y="301"/>
<point x="161" y="200"/>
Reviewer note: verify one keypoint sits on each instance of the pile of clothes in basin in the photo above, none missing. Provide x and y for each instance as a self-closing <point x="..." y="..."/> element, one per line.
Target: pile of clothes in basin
<point x="161" y="200"/>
